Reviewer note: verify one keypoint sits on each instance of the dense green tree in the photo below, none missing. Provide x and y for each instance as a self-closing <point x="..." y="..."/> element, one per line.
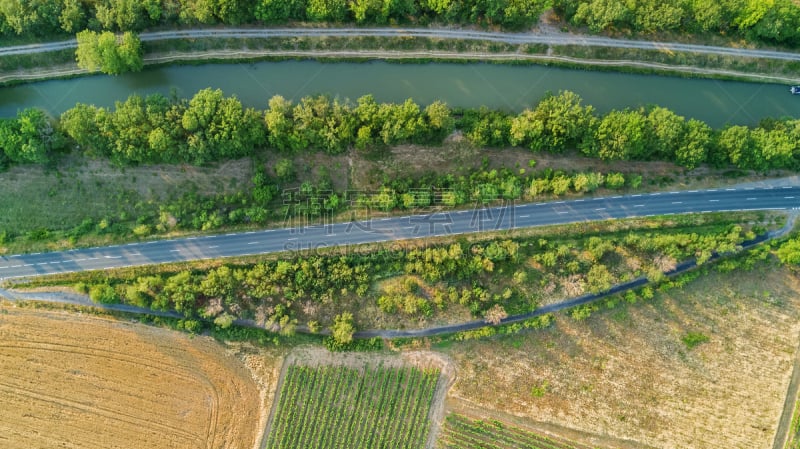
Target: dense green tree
<point x="440" y="120"/>
<point x="127" y="15"/>
<point x="342" y="330"/>
<point x="789" y="252"/>
<point x="28" y="138"/>
<point x="601" y="14"/>
<point x="485" y="127"/>
<point x="620" y="135"/>
<point x="599" y="279"/>
<point x="180" y="291"/>
<point x="693" y="149"/>
<point x="219" y="127"/>
<point x="73" y="16"/>
<point x="668" y="129"/>
<point x="278" y="11"/>
<point x="776" y="21"/>
<point x="326" y="10"/>
<point x="197" y="11"/>
<point x="108" y="52"/>
<point x="81" y="124"/>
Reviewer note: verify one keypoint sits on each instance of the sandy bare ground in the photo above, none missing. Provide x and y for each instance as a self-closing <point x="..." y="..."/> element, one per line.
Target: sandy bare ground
<point x="625" y="375"/>
<point x="69" y="380"/>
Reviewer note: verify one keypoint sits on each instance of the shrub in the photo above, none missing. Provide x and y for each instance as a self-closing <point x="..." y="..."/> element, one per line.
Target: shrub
<point x="284" y="169"/>
<point x="615" y="181"/>
<point x="693" y="339"/>
<point x="103" y="293"/>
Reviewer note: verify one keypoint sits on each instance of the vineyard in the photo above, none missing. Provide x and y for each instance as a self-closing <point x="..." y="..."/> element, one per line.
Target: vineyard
<point x="460" y="432"/>
<point x="340" y="407"/>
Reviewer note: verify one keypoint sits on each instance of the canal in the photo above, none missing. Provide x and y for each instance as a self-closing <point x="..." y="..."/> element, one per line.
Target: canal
<point x="509" y="87"/>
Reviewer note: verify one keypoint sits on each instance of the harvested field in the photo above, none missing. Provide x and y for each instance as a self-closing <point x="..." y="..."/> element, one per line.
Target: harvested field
<point x="68" y="380"/>
<point x="644" y="375"/>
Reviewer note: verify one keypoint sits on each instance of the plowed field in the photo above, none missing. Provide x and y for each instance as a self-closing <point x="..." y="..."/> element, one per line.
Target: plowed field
<point x="71" y="381"/>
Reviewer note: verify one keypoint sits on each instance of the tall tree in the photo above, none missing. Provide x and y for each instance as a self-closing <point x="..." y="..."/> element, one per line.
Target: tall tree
<point x="108" y="52"/>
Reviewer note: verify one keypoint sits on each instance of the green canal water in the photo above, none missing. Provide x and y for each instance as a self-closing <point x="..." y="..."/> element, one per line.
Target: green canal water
<point x="508" y="87"/>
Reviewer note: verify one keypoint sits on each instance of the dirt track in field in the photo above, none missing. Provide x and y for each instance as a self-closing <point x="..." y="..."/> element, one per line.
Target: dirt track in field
<point x="68" y="380"/>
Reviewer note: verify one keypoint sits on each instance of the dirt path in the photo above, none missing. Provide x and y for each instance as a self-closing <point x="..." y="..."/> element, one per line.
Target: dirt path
<point x="544" y="37"/>
<point x="72" y="70"/>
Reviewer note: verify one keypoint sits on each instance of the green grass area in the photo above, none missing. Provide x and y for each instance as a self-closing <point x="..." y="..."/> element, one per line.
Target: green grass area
<point x="341" y="407"/>
<point x="36" y="60"/>
<point x="461" y="432"/>
<point x="85" y="202"/>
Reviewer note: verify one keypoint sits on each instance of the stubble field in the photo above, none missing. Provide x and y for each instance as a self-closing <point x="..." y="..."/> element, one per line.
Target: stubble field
<point x="68" y="380"/>
<point x="626" y="378"/>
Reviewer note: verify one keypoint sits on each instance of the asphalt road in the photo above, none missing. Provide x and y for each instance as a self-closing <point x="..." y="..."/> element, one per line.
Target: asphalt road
<point x="511" y="38"/>
<point x="386" y="229"/>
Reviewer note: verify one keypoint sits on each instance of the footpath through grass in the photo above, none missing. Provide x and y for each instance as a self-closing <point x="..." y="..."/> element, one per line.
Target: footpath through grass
<point x="341" y="407"/>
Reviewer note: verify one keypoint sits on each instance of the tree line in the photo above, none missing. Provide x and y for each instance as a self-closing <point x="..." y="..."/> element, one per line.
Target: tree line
<point x="210" y="127"/>
<point x="53" y="17"/>
<point x="775" y="21"/>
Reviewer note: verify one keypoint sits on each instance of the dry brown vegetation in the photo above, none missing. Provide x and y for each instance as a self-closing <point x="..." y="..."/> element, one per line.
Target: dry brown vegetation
<point x="69" y="380"/>
<point x="625" y="378"/>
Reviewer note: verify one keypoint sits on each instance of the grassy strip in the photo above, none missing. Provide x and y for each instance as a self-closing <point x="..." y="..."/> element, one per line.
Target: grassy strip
<point x="182" y="51"/>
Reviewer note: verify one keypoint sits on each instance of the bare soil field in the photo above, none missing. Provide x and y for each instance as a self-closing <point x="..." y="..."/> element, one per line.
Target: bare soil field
<point x="70" y="380"/>
<point x="626" y="378"/>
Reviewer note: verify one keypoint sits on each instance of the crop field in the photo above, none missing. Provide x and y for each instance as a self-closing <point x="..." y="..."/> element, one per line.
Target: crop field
<point x="70" y="380"/>
<point x="342" y="407"/>
<point x="461" y="432"/>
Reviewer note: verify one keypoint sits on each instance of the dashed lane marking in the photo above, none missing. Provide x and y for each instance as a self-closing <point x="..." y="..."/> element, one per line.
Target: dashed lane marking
<point x="253" y="243"/>
<point x="638" y="205"/>
<point x="215" y="246"/>
<point x="713" y="201"/>
<point x="601" y="208"/>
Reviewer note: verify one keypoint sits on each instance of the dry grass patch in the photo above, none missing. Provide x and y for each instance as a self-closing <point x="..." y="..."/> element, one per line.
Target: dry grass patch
<point x="81" y="381"/>
<point x="628" y="374"/>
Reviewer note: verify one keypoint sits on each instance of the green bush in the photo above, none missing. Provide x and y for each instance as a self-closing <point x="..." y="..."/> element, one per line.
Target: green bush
<point x="692" y="339"/>
<point x="103" y="293"/>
